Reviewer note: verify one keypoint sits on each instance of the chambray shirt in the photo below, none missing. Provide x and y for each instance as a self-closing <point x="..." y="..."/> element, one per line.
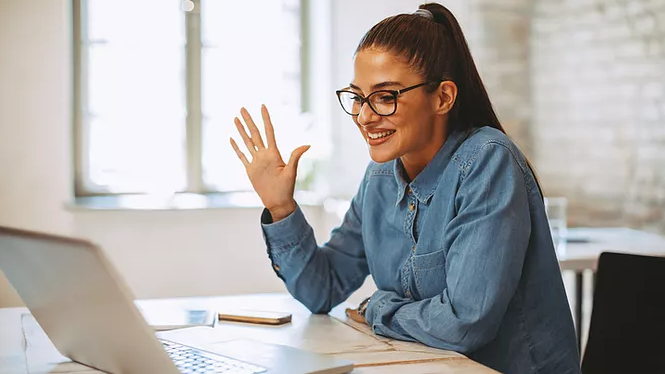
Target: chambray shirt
<point x="462" y="257"/>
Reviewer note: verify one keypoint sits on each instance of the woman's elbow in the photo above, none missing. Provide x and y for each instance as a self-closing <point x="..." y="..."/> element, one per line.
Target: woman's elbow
<point x="311" y="300"/>
<point x="318" y="307"/>
<point x="473" y="342"/>
<point x="465" y="339"/>
<point x="314" y="305"/>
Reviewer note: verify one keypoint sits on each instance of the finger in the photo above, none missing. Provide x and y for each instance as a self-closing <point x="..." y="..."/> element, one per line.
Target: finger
<point x="295" y="157"/>
<point x="256" y="135"/>
<point x="245" y="138"/>
<point x="241" y="155"/>
<point x="270" y="130"/>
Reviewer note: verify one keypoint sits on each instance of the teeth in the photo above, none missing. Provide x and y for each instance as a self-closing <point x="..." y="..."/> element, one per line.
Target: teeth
<point x="380" y="135"/>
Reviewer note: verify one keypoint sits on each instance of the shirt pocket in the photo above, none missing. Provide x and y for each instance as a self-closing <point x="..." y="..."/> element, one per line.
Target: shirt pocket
<point x="429" y="272"/>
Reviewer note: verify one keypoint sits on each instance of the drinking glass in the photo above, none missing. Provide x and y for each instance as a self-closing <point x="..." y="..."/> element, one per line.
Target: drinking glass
<point x="556" y="209"/>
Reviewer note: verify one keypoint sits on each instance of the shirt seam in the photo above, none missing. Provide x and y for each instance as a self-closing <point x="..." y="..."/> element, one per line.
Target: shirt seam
<point x="465" y="166"/>
<point x="381" y="172"/>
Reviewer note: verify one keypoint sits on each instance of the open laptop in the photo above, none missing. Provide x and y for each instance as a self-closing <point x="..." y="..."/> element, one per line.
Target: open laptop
<point x="88" y="312"/>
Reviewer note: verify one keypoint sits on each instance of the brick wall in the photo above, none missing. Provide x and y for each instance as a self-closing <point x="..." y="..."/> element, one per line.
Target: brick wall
<point x="498" y="35"/>
<point x="597" y="132"/>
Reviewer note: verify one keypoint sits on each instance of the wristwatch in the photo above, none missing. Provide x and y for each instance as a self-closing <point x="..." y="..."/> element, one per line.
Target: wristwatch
<point x="362" y="307"/>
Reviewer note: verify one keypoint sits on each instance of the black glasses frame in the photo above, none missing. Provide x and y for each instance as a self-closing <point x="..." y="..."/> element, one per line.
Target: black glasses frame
<point x="394" y="93"/>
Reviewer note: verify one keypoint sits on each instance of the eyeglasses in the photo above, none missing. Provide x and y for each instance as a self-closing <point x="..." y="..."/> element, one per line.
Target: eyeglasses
<point x="383" y="102"/>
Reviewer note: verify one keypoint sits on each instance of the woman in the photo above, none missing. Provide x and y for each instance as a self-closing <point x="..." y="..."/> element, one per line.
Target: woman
<point x="449" y="218"/>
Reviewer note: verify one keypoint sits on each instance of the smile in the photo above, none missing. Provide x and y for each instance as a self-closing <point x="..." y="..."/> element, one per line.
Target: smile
<point x="380" y="135"/>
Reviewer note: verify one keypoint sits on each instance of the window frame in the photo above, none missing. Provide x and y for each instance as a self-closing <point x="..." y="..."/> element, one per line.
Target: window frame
<point x="83" y="185"/>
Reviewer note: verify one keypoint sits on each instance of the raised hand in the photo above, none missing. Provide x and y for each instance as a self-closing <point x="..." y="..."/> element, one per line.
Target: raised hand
<point x="272" y="179"/>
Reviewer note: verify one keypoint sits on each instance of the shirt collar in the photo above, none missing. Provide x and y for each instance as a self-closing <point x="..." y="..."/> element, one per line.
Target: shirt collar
<point x="425" y="183"/>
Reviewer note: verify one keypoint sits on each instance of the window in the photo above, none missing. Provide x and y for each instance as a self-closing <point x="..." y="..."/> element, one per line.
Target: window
<point x="158" y="82"/>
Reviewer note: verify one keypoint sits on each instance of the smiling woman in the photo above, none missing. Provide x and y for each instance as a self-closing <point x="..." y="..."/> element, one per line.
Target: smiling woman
<point x="415" y="130"/>
<point x="449" y="218"/>
<point x="382" y="101"/>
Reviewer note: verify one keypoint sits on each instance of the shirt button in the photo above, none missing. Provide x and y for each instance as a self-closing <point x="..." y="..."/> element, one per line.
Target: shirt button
<point x="414" y="248"/>
<point x="408" y="294"/>
<point x="409" y="190"/>
<point x="276" y="267"/>
<point x="412" y="206"/>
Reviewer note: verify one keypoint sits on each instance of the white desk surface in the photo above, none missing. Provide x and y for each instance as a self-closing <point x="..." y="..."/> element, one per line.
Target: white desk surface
<point x="25" y="349"/>
<point x="588" y="243"/>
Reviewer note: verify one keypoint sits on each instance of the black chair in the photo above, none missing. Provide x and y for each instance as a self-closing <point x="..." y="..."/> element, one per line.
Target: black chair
<point x="627" y="330"/>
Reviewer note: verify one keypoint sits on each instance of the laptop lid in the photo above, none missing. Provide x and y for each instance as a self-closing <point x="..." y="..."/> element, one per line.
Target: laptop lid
<point x="80" y="301"/>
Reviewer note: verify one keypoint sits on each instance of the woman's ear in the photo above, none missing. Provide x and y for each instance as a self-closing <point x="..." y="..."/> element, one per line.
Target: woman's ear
<point x="446" y="94"/>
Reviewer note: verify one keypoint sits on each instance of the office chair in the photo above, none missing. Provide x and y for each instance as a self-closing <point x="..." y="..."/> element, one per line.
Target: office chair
<point x="627" y="330"/>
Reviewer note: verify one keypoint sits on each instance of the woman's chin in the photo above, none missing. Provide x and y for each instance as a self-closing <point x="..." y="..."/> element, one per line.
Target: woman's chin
<point x="381" y="156"/>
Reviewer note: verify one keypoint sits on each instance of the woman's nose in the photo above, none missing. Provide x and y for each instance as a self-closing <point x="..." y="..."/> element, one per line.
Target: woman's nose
<point x="366" y="114"/>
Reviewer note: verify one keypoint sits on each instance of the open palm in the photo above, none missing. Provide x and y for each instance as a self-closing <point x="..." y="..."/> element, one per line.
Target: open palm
<point x="273" y="180"/>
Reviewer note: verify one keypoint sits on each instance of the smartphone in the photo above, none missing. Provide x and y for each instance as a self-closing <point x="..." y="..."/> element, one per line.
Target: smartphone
<point x="256" y="316"/>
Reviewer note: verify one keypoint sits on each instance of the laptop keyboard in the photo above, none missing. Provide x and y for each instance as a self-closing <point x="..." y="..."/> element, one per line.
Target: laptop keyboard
<point x="191" y="360"/>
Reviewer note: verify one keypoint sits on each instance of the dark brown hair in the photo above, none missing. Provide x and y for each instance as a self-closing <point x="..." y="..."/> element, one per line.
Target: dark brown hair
<point x="437" y="49"/>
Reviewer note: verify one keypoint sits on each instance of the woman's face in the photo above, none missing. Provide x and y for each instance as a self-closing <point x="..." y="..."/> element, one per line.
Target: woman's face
<point x="412" y="129"/>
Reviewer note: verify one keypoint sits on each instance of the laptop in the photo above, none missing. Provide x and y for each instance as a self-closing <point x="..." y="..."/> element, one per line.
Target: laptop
<point x="88" y="312"/>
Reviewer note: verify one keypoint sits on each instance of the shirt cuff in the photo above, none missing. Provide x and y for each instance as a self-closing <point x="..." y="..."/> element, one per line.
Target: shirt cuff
<point x="285" y="233"/>
<point x="376" y="303"/>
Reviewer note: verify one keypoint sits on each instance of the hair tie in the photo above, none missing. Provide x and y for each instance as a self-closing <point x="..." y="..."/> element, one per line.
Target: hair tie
<point x="424" y="13"/>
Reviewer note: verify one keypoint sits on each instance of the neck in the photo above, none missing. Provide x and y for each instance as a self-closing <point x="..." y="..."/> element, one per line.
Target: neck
<point x="415" y="162"/>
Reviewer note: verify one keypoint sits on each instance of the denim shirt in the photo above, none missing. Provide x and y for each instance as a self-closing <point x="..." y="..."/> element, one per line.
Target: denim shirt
<point x="462" y="258"/>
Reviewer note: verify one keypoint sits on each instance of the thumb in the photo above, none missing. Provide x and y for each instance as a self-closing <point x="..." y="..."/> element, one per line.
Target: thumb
<point x="295" y="157"/>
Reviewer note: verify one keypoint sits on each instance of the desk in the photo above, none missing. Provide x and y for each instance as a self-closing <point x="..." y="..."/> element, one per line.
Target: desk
<point x="327" y="334"/>
<point x="585" y="246"/>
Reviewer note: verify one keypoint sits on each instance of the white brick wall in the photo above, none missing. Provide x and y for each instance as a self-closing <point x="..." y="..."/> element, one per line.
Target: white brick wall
<point x="597" y="130"/>
<point x="499" y="40"/>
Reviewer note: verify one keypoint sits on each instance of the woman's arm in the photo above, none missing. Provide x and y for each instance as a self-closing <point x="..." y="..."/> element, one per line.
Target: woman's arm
<point x="318" y="277"/>
<point x="487" y="245"/>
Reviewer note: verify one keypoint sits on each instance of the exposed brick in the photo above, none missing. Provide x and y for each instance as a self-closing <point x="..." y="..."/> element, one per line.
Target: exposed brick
<point x="502" y="52"/>
<point x="599" y="139"/>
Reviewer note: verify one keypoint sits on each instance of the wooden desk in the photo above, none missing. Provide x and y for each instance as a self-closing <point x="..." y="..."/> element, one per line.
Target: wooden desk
<point x="24" y="348"/>
<point x="585" y="246"/>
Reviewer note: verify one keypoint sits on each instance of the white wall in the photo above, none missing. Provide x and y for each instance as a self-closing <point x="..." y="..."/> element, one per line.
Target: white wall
<point x="35" y="136"/>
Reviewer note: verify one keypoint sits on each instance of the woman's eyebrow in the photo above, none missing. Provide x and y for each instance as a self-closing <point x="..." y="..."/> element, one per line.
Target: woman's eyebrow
<point x="377" y="86"/>
<point x="381" y="85"/>
<point x="353" y="86"/>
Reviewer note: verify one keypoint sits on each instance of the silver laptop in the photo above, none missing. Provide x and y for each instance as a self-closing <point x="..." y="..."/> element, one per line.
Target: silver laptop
<point x="88" y="312"/>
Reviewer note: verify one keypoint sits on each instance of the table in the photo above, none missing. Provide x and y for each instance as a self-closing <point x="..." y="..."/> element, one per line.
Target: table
<point x="25" y="349"/>
<point x="585" y="246"/>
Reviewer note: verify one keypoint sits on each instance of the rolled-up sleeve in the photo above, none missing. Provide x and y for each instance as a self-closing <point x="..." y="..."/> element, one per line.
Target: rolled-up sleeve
<point x="487" y="243"/>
